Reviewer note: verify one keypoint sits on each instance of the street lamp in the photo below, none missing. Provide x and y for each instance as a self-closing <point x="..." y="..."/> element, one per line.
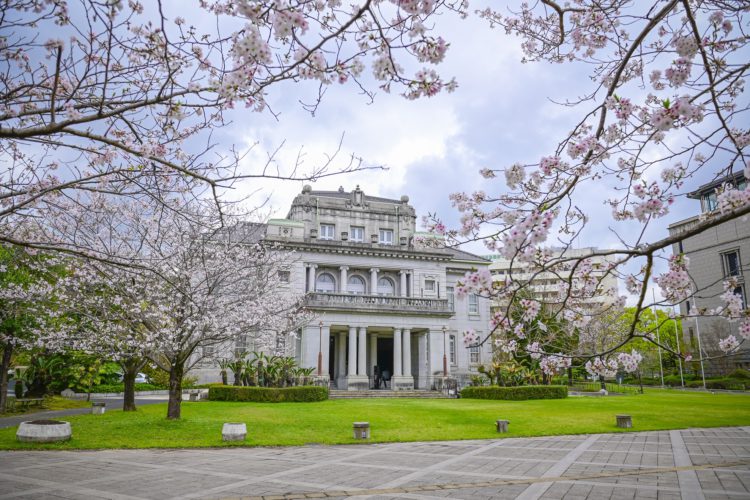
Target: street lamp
<point x="445" y="352"/>
<point x="320" y="352"/>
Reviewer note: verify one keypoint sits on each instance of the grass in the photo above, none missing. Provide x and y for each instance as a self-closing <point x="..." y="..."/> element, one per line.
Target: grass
<point x="330" y="422"/>
<point x="50" y="403"/>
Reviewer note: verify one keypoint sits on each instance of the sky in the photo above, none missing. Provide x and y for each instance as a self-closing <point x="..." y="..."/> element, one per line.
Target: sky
<point x="504" y="111"/>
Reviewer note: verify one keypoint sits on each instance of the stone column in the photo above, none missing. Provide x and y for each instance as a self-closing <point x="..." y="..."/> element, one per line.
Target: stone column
<point x="344" y="281"/>
<point x="411" y="283"/>
<point x="374" y="281"/>
<point x="352" y="351"/>
<point x="423" y="362"/>
<point x="397" y="352"/>
<point x="406" y="350"/>
<point x="341" y="358"/>
<point x="326" y="349"/>
<point x="402" y="292"/>
<point x="362" y="356"/>
<point x="373" y="354"/>
<point x="311" y="277"/>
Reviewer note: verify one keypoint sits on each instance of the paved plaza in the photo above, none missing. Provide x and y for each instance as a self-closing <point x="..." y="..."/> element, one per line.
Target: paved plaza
<point x="688" y="464"/>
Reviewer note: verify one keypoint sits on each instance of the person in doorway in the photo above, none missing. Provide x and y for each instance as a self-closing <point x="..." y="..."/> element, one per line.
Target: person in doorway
<point x="378" y="379"/>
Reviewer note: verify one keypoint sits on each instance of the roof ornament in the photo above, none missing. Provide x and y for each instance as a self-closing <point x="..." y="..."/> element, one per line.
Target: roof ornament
<point x="357" y="197"/>
<point x="341" y="189"/>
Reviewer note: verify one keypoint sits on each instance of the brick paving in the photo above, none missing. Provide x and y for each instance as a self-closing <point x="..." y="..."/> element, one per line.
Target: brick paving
<point x="688" y="464"/>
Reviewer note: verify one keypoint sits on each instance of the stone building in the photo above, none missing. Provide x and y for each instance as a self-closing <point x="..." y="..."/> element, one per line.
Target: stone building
<point x="716" y="254"/>
<point x="381" y="298"/>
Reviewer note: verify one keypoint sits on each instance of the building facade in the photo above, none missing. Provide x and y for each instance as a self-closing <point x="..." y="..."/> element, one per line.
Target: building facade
<point x="380" y="298"/>
<point x="545" y="286"/>
<point x="715" y="255"/>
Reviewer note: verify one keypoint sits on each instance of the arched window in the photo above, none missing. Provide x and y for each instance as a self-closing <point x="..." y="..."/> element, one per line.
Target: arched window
<point x="385" y="286"/>
<point x="325" y="283"/>
<point x="356" y="284"/>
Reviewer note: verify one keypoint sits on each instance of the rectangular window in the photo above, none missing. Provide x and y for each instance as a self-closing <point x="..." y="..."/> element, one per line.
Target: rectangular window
<point x="451" y="298"/>
<point x="208" y="351"/>
<point x="240" y="347"/>
<point x="284" y="276"/>
<point x="429" y="285"/>
<point x="386" y="237"/>
<point x="740" y="290"/>
<point x="731" y="261"/>
<point x="327" y="231"/>
<point x="452" y="349"/>
<point x="474" y="355"/>
<point x="473" y="304"/>
<point x="709" y="201"/>
<point x="357" y="234"/>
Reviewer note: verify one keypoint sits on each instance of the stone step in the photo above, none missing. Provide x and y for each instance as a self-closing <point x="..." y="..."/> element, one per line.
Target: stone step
<point x="340" y="394"/>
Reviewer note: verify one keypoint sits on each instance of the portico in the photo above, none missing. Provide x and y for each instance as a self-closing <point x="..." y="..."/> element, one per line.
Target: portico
<point x="350" y="354"/>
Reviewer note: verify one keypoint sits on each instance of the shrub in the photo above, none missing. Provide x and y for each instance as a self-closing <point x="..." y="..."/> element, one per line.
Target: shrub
<point x="159" y="377"/>
<point x="720" y="383"/>
<point x="739" y="373"/>
<point x="299" y="394"/>
<point x="121" y="387"/>
<point x="518" y="393"/>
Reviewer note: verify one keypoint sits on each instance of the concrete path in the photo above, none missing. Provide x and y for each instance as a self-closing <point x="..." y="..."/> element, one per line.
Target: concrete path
<point x="687" y="464"/>
<point x="113" y="403"/>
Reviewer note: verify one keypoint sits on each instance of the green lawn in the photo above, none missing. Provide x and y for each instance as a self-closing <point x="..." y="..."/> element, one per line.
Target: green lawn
<point x="50" y="403"/>
<point x="330" y="422"/>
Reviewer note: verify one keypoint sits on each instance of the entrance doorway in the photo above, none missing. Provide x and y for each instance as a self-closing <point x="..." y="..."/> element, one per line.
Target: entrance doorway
<point x="385" y="356"/>
<point x="331" y="357"/>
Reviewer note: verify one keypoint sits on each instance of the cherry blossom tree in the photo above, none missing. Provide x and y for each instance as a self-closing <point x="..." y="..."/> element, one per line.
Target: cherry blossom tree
<point x="124" y="98"/>
<point x="196" y="288"/>
<point x="667" y="111"/>
<point x="24" y="281"/>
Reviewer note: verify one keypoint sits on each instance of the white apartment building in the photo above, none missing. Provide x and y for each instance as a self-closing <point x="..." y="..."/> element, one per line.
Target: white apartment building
<point x="545" y="286"/>
<point x="381" y="299"/>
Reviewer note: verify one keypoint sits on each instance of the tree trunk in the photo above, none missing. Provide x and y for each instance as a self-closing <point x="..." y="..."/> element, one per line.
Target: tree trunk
<point x="129" y="372"/>
<point x="237" y="376"/>
<point x="175" y="391"/>
<point x="4" y="366"/>
<point x="601" y="381"/>
<point x="570" y="376"/>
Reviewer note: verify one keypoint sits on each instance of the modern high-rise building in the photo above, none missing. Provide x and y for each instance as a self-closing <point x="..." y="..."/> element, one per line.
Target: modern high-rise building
<point x="545" y="286"/>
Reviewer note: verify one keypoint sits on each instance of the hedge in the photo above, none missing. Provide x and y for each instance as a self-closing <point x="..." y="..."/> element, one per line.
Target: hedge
<point x="720" y="383"/>
<point x="519" y="393"/>
<point x="300" y="394"/>
<point x="121" y="387"/>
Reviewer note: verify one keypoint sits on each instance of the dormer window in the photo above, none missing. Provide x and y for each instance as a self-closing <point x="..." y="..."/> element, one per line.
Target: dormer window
<point x="709" y="201"/>
<point x="327" y="231"/>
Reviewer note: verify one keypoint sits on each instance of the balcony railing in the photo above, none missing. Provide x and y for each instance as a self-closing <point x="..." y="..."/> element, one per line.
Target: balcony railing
<point x="378" y="303"/>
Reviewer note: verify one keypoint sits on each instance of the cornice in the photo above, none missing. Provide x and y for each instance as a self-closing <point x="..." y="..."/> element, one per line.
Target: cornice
<point x="364" y="249"/>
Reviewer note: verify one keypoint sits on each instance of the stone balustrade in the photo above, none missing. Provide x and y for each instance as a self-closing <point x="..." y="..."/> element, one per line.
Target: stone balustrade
<point x="359" y="302"/>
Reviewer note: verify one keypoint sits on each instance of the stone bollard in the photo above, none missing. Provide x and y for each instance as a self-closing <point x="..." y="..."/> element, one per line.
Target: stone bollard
<point x="361" y="430"/>
<point x="234" y="431"/>
<point x="98" y="408"/>
<point x="624" y="421"/>
<point x="502" y="425"/>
